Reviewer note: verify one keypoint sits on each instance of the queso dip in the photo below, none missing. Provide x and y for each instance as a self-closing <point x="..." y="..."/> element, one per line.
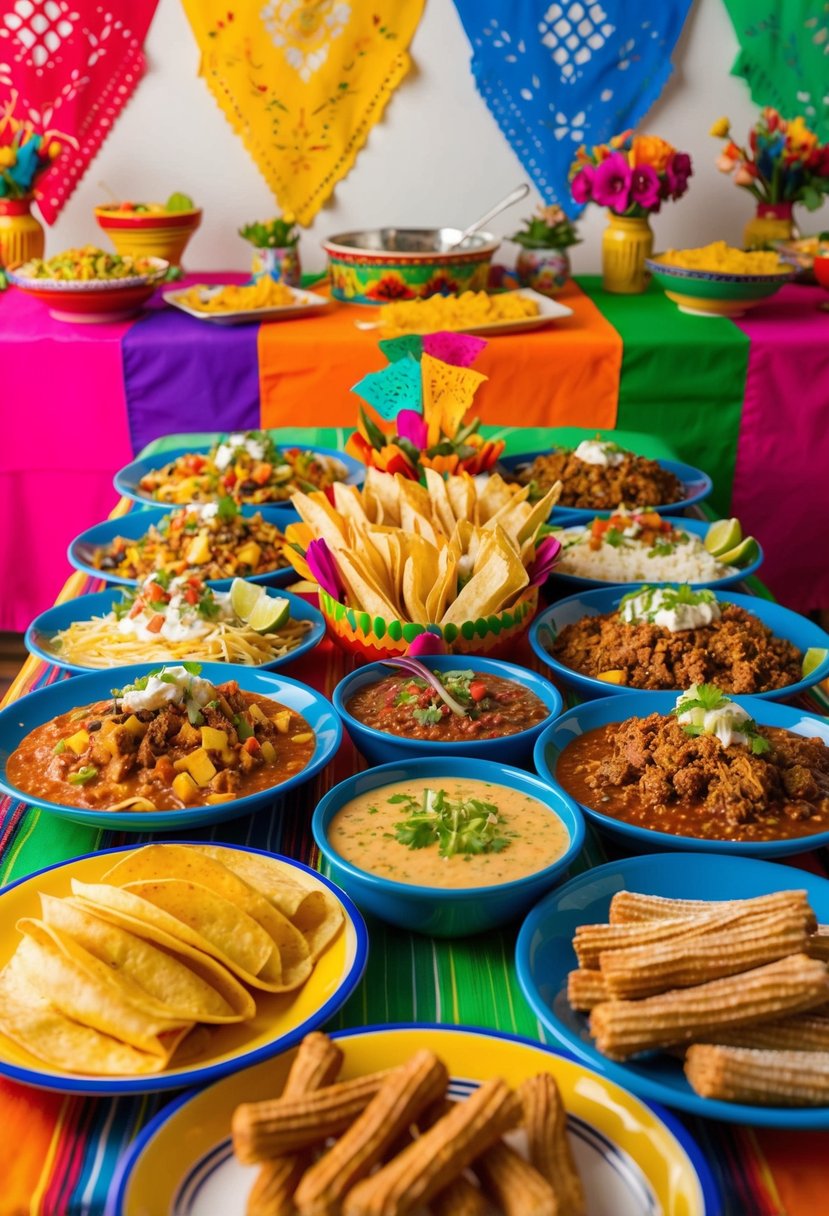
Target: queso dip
<point x="448" y="832"/>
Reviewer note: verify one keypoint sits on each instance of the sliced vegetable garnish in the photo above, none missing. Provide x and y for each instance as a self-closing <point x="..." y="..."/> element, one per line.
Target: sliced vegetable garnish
<point x="466" y="825"/>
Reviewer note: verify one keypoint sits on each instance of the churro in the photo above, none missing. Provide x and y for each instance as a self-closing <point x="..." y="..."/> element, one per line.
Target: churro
<point x="545" y="1122"/>
<point x="819" y="943"/>
<point x="586" y="988"/>
<point x="629" y="906"/>
<point x="405" y="1093"/>
<point x="411" y="1179"/>
<point x="791" y="985"/>
<point x="801" y="1032"/>
<point x="316" y="1064"/>
<point x="513" y="1184"/>
<point x="762" y="1078"/>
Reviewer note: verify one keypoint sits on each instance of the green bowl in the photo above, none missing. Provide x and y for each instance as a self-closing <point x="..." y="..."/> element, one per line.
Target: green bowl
<point x="704" y="293"/>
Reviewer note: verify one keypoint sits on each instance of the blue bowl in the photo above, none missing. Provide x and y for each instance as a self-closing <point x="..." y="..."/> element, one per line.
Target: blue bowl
<point x="382" y="747"/>
<point x="134" y="525"/>
<point x="127" y="480"/>
<point x="18" y="719"/>
<point x="544" y="955"/>
<point x="696" y="486"/>
<point x="594" y="714"/>
<point x="569" y="583"/>
<point x="438" y="911"/>
<point x="99" y="603"/>
<point x="784" y="623"/>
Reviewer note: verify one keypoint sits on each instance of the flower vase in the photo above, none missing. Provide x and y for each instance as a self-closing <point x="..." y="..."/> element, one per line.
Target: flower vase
<point x="626" y="242"/>
<point x="21" y="235"/>
<point x="773" y="222"/>
<point x="544" y="270"/>
<point x="281" y="264"/>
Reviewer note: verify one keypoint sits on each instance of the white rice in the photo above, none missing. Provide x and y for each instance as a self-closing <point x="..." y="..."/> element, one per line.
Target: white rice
<point x="629" y="563"/>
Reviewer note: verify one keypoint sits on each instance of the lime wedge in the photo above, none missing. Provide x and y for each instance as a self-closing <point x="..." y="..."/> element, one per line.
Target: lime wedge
<point x="244" y="597"/>
<point x="179" y="202"/>
<point x="723" y="535"/>
<point x="741" y="555"/>
<point x="813" y="658"/>
<point x="269" y="614"/>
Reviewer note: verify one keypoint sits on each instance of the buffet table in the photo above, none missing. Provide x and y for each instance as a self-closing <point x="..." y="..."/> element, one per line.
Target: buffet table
<point x="746" y="401"/>
<point x="63" y="1154"/>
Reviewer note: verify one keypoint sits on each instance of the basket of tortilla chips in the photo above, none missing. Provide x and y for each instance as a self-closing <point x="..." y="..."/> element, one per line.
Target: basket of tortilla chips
<point x="396" y="559"/>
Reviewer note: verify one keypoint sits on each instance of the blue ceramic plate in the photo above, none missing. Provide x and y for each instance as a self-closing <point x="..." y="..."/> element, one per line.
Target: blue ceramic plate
<point x="696" y="484"/>
<point x="135" y="524"/>
<point x="99" y="603"/>
<point x="544" y="954"/>
<point x="638" y="705"/>
<point x="382" y="747"/>
<point x="783" y="623"/>
<point x="127" y="480"/>
<point x="21" y="717"/>
<point x="446" y="911"/>
<point x="634" y="1159"/>
<point x="569" y="583"/>
<point x="282" y="1019"/>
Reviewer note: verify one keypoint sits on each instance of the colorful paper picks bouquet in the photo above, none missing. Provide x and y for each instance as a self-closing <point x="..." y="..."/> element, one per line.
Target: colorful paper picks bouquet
<point x="25" y="152"/>
<point x="421" y="400"/>
<point x="397" y="559"/>
<point x="632" y="175"/>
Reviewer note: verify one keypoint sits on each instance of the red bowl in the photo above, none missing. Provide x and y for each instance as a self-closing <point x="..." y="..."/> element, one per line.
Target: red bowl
<point x="92" y="301"/>
<point x="820" y="266"/>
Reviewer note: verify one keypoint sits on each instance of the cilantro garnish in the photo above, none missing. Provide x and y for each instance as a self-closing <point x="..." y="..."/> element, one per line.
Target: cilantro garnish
<point x="465" y="825"/>
<point x="227" y="508"/>
<point x="430" y="716"/>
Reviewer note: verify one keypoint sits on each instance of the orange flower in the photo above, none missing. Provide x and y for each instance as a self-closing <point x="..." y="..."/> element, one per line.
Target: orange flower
<point x="651" y="150"/>
<point x="619" y="141"/>
<point x="441" y="464"/>
<point x="601" y="152"/>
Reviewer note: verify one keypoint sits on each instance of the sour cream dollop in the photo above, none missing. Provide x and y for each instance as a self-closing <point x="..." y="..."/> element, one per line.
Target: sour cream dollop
<point x="724" y="722"/>
<point x="235" y="442"/>
<point x="599" y="451"/>
<point x="661" y="607"/>
<point x="177" y="687"/>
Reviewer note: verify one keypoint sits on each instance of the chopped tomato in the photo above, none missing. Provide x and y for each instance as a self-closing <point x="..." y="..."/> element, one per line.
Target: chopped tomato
<point x="194" y="463"/>
<point x="191" y="595"/>
<point x="155" y="593"/>
<point x="477" y="690"/>
<point x="262" y="473"/>
<point x="155" y="623"/>
<point x="137" y="608"/>
<point x="230" y="479"/>
<point x="650" y="519"/>
<point x="251" y="745"/>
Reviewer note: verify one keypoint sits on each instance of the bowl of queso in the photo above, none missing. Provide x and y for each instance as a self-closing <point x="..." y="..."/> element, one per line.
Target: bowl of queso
<point x="702" y="771"/>
<point x="450" y="847"/>
<point x="393" y="714"/>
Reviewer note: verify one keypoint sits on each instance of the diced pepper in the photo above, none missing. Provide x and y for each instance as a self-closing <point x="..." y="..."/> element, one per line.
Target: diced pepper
<point x="213" y="739"/>
<point x="78" y="742"/>
<point x="251" y="745"/>
<point x="262" y="473"/>
<point x="155" y="623"/>
<point x="477" y="690"/>
<point x="269" y="751"/>
<point x="282" y="721"/>
<point x="198" y="551"/>
<point x="136" y="727"/>
<point x="185" y="788"/>
<point x="84" y="775"/>
<point x="249" y="554"/>
<point x="199" y="765"/>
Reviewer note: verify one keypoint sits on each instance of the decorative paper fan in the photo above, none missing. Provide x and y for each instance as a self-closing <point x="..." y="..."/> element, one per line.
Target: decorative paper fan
<point x="459" y="349"/>
<point x="394" y="388"/>
<point x="399" y="348"/>
<point x="447" y="395"/>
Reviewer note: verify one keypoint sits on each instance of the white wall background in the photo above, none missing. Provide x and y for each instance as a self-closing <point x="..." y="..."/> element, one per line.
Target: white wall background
<point x="437" y="158"/>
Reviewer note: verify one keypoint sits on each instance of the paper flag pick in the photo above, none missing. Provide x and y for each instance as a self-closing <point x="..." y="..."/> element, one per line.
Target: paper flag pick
<point x="447" y="395"/>
<point x="396" y="387"/>
<point x="459" y="349"/>
<point x="398" y="348"/>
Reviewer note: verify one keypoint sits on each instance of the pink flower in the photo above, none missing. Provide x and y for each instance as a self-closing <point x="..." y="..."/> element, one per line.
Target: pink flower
<point x="644" y="187"/>
<point x="611" y="183"/>
<point x="546" y="555"/>
<point x="745" y="175"/>
<point x="581" y="187"/>
<point x="321" y="563"/>
<point x="426" y="643"/>
<point x="411" y="426"/>
<point x="677" y="171"/>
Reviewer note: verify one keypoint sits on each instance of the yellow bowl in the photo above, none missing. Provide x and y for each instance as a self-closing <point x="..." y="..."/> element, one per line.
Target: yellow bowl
<point x="159" y="235"/>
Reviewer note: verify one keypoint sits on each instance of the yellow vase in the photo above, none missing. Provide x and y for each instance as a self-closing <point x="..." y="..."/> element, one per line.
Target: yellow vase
<point x="21" y="235"/>
<point x="773" y="222"/>
<point x="626" y="242"/>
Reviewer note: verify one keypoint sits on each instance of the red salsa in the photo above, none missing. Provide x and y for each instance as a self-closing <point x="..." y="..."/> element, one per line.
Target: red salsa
<point x="402" y="704"/>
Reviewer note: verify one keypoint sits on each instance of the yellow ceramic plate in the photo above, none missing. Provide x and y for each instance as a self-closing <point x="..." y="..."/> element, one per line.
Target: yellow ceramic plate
<point x="281" y="1019"/>
<point x="549" y="310"/>
<point x="635" y="1160"/>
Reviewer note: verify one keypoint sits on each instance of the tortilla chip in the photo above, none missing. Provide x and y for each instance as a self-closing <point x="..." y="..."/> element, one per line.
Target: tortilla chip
<point x="364" y="592"/>
<point x="445" y="586"/>
<point x="31" y="1020"/>
<point x="540" y="512"/>
<point x="498" y="578"/>
<point x="175" y="861"/>
<point x="495" y="495"/>
<point x="442" y="511"/>
<point x="384" y="488"/>
<point x="350" y="505"/>
<point x="317" y="512"/>
<point x="154" y="976"/>
<point x="82" y="988"/>
<point x="461" y="492"/>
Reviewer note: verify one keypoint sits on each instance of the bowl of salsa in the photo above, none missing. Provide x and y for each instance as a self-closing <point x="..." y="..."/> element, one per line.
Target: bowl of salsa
<point x="487" y="709"/>
<point x="448" y="847"/>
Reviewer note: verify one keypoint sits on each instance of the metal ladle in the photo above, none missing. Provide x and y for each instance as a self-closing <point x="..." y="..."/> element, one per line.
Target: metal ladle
<point x="514" y="196"/>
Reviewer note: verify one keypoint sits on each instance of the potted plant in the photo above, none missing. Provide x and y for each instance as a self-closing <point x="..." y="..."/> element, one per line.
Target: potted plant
<point x="543" y="263"/>
<point x="632" y="175"/>
<point x="24" y="155"/>
<point x="783" y="164"/>
<point x="277" y="250"/>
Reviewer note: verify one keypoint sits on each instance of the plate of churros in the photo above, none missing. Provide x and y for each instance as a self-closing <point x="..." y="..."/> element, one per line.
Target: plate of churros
<point x="409" y="1120"/>
<point x="697" y="981"/>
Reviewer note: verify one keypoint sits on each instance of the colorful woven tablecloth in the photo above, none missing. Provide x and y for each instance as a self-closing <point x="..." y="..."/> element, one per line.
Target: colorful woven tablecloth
<point x="747" y="401"/>
<point x="62" y="1157"/>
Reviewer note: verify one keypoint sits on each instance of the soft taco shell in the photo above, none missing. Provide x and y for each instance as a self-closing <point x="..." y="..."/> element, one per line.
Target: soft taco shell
<point x="29" y="1019"/>
<point x="170" y="984"/>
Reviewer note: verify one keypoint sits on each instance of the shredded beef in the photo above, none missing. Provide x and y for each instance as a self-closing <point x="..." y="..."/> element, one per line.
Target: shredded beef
<point x="637" y="481"/>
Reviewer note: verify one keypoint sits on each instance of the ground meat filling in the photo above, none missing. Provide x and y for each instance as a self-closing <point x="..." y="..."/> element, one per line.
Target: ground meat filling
<point x="637" y="481"/>
<point x="648" y="771"/>
<point x="738" y="653"/>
